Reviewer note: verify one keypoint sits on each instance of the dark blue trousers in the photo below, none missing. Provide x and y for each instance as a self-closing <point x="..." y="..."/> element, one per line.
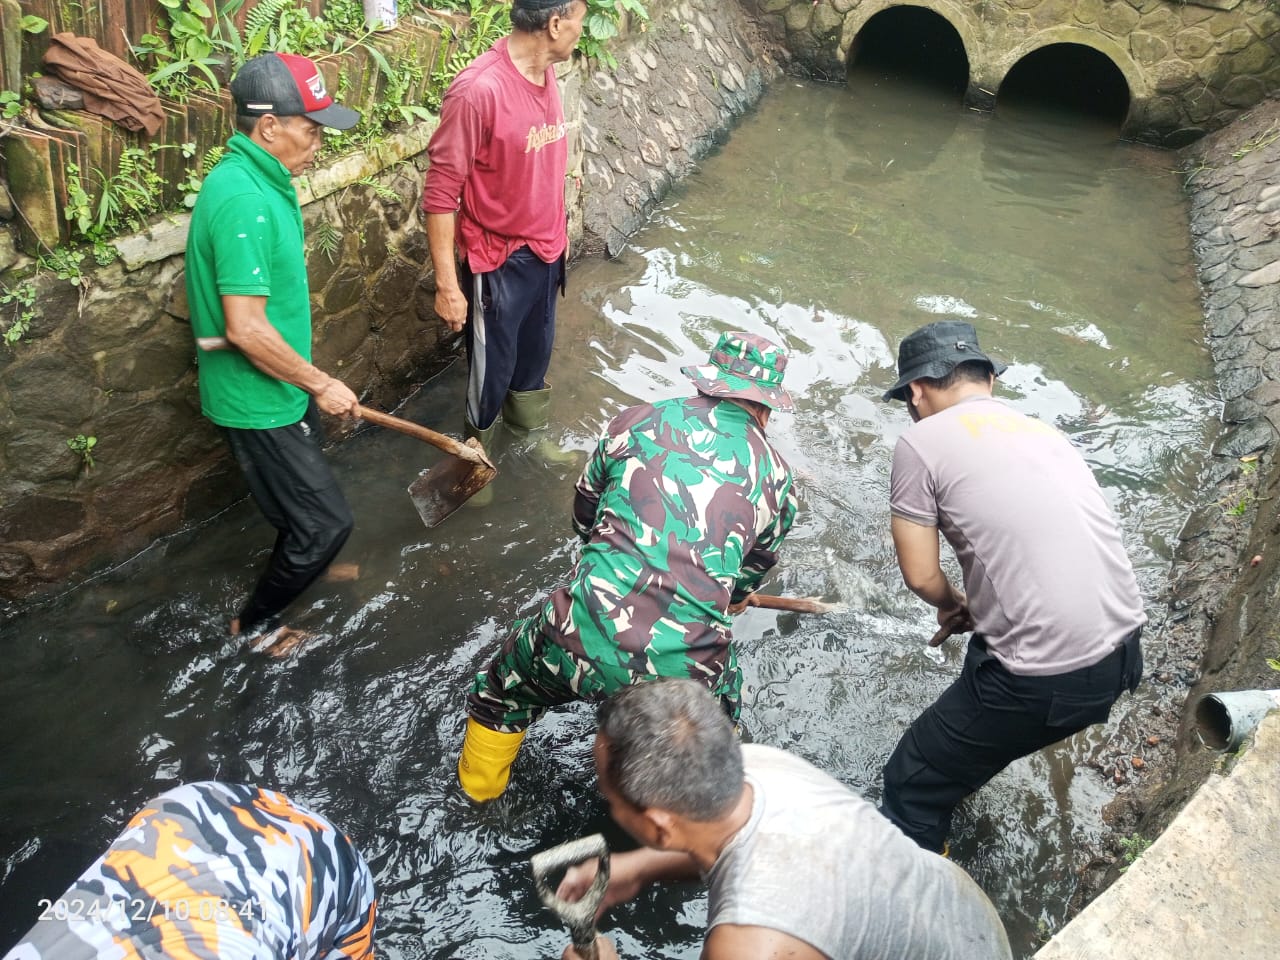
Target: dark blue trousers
<point x="983" y="722"/>
<point x="509" y="344"/>
<point x="292" y="484"/>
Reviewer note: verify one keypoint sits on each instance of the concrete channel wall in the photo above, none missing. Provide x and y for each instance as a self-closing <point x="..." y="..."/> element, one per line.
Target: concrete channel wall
<point x="1209" y="884"/>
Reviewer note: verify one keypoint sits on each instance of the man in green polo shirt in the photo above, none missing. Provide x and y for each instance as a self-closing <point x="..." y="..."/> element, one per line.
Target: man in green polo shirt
<point x="251" y="316"/>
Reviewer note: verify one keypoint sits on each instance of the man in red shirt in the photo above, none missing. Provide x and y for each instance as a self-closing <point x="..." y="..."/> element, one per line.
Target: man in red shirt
<point x="494" y="198"/>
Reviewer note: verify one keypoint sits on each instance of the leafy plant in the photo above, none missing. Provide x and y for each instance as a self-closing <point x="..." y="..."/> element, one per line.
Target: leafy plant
<point x="23" y="298"/>
<point x="380" y="190"/>
<point x="488" y="22"/>
<point x="283" y="26"/>
<point x="326" y="238"/>
<point x="84" y="446"/>
<point x="393" y="106"/>
<point x="188" y="54"/>
<point x="10" y="104"/>
<point x="30" y="23"/>
<point x="1238" y="507"/>
<point x="601" y="25"/>
<point x="65" y="264"/>
<point x="1132" y="847"/>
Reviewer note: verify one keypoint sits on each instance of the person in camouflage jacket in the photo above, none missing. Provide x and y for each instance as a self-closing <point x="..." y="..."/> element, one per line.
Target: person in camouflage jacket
<point x="682" y="508"/>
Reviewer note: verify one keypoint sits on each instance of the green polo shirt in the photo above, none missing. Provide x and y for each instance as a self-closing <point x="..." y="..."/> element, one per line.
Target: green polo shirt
<point x="246" y="239"/>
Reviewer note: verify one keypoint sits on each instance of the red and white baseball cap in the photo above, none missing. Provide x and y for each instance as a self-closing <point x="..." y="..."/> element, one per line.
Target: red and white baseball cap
<point x="288" y="85"/>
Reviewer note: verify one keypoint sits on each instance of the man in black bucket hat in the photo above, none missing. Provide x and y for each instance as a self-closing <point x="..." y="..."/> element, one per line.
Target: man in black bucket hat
<point x="682" y="508"/>
<point x="1048" y="590"/>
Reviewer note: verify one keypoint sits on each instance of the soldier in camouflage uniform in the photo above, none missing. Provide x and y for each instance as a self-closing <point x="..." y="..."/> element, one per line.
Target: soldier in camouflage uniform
<point x="682" y="508"/>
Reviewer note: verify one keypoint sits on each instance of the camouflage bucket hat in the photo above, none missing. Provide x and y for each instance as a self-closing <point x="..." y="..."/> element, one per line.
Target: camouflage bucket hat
<point x="745" y="366"/>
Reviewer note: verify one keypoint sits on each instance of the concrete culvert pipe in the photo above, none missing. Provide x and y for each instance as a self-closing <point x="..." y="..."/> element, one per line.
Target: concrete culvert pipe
<point x="1223" y="720"/>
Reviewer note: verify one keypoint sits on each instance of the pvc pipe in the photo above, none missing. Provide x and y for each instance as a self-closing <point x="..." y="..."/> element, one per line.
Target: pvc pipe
<point x="1223" y="720"/>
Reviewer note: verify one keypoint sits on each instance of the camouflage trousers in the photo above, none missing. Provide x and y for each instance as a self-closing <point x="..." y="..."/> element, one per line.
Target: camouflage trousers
<point x="531" y="672"/>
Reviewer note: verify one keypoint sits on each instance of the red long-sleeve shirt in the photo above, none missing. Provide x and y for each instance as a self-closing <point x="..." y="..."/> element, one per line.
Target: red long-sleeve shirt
<point x="499" y="158"/>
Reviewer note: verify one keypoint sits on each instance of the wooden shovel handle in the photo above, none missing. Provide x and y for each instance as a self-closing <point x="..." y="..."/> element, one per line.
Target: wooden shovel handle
<point x="447" y="444"/>
<point x="794" y="604"/>
<point x="961" y="622"/>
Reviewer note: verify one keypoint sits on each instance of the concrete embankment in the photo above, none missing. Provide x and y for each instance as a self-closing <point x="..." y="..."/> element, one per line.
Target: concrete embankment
<point x="1208" y="886"/>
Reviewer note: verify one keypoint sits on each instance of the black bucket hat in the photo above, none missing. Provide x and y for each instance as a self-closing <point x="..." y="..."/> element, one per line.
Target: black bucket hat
<point x="934" y="351"/>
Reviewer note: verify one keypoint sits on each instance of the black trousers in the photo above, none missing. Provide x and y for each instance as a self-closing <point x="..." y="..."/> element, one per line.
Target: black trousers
<point x="983" y="722"/>
<point x="510" y="347"/>
<point x="292" y="485"/>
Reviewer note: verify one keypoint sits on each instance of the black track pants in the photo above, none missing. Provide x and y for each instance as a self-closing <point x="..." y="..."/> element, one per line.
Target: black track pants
<point x="292" y="484"/>
<point x="983" y="722"/>
<point x="509" y="344"/>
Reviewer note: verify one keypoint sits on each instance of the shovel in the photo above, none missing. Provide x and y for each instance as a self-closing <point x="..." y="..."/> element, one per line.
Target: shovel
<point x="451" y="482"/>
<point x="578" y="915"/>
<point x="794" y="604"/>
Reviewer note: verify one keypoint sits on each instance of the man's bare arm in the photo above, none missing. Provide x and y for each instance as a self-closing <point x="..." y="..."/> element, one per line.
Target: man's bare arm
<point x="921" y="566"/>
<point x="731" y="941"/>
<point x="250" y="332"/>
<point x="450" y="303"/>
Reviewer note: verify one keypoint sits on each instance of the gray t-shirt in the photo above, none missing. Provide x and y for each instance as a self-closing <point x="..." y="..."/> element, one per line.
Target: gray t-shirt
<point x="1045" y="571"/>
<point x="819" y="863"/>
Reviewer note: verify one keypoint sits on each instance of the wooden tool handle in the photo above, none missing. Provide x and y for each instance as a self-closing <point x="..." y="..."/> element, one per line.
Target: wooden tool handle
<point x="958" y="623"/>
<point x="794" y="604"/>
<point x="447" y="444"/>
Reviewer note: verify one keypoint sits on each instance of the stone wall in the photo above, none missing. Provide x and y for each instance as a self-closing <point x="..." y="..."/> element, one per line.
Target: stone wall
<point x="679" y="86"/>
<point x="1190" y="67"/>
<point x="114" y="359"/>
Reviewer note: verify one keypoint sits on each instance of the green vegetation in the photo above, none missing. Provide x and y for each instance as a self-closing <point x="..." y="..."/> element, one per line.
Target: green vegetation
<point x="10" y="104"/>
<point x="601" y="25"/>
<point x="84" y="446"/>
<point x="125" y="198"/>
<point x="1264" y="139"/>
<point x="23" y="297"/>
<point x="1241" y="494"/>
<point x="193" y="49"/>
<point x="1131" y="848"/>
<point x="326" y="238"/>
<point x="64" y="263"/>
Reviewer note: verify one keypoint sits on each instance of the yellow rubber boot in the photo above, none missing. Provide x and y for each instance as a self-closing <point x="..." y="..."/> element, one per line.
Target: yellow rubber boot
<point x="485" y="765"/>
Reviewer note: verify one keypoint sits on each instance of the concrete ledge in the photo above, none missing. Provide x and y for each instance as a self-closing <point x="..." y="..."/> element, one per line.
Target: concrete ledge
<point x="1208" y="886"/>
<point x="168" y="236"/>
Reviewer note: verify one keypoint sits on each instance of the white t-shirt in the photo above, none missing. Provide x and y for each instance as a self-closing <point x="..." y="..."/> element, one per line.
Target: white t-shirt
<point x="819" y="863"/>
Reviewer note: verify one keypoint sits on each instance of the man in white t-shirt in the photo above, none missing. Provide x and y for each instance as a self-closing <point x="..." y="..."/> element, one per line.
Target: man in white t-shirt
<point x="1048" y="589"/>
<point x="797" y="864"/>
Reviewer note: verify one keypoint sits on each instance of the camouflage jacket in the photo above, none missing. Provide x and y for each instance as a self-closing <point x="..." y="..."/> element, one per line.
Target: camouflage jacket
<point x="683" y="506"/>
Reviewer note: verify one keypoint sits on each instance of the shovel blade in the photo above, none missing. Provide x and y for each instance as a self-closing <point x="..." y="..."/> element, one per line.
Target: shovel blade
<point x="447" y="486"/>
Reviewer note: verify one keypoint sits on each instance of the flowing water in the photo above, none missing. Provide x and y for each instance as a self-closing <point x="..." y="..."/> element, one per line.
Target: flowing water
<point x="835" y="220"/>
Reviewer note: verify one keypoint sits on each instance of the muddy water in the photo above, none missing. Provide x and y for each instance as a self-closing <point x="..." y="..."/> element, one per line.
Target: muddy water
<point x="834" y="220"/>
